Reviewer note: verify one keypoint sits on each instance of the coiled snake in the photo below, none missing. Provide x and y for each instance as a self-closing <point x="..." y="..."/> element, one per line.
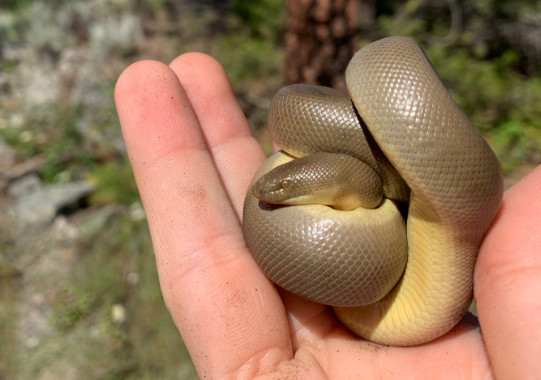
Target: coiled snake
<point x="399" y="133"/>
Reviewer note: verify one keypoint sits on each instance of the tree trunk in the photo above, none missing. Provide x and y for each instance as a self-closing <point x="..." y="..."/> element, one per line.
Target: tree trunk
<point x="321" y="37"/>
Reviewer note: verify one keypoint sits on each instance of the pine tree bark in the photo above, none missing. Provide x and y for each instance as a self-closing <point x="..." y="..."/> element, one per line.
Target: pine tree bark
<point x="321" y="37"/>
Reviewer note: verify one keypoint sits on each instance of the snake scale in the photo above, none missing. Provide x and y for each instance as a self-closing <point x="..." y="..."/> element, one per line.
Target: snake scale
<point x="379" y="199"/>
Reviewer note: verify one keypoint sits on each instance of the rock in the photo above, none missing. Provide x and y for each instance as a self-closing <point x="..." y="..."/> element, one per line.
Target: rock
<point x="35" y="204"/>
<point x="24" y="186"/>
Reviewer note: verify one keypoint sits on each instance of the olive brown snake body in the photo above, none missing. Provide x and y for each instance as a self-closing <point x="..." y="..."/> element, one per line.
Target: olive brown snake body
<point x="388" y="281"/>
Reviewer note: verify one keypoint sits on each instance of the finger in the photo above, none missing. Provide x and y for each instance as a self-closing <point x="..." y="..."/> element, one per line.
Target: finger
<point x="223" y="124"/>
<point x="508" y="285"/>
<point x="230" y="316"/>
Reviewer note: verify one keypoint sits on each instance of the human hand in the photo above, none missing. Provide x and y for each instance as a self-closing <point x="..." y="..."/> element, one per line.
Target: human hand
<point x="193" y="157"/>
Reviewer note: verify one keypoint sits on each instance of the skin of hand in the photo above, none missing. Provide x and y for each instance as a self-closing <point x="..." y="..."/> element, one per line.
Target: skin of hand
<point x="193" y="156"/>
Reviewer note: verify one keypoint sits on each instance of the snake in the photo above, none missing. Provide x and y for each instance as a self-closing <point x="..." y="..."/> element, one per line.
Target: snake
<point x="379" y="198"/>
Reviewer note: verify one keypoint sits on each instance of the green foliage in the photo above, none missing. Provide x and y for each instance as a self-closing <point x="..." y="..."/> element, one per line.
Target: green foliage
<point x="494" y="79"/>
<point x="54" y="133"/>
<point x="247" y="59"/>
<point x="10" y="30"/>
<point x="13" y="5"/>
<point x="512" y="143"/>
<point x="502" y="103"/>
<point x="115" y="183"/>
<point x="70" y="306"/>
<point x="51" y="129"/>
<point x="264" y="19"/>
<point x="250" y="51"/>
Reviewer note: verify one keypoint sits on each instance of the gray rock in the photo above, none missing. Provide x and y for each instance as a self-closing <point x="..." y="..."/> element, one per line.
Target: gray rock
<point x="35" y="204"/>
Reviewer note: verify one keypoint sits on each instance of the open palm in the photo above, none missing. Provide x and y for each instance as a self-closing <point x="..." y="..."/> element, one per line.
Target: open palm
<point x="193" y="156"/>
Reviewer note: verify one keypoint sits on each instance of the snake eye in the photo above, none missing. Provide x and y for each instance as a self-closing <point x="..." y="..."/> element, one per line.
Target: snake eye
<point x="284" y="184"/>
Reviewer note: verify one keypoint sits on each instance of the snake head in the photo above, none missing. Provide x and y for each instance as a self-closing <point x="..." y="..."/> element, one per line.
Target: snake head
<point x="273" y="188"/>
<point x="321" y="178"/>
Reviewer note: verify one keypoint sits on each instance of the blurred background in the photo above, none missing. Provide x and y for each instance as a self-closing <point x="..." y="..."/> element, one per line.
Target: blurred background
<point x="79" y="295"/>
